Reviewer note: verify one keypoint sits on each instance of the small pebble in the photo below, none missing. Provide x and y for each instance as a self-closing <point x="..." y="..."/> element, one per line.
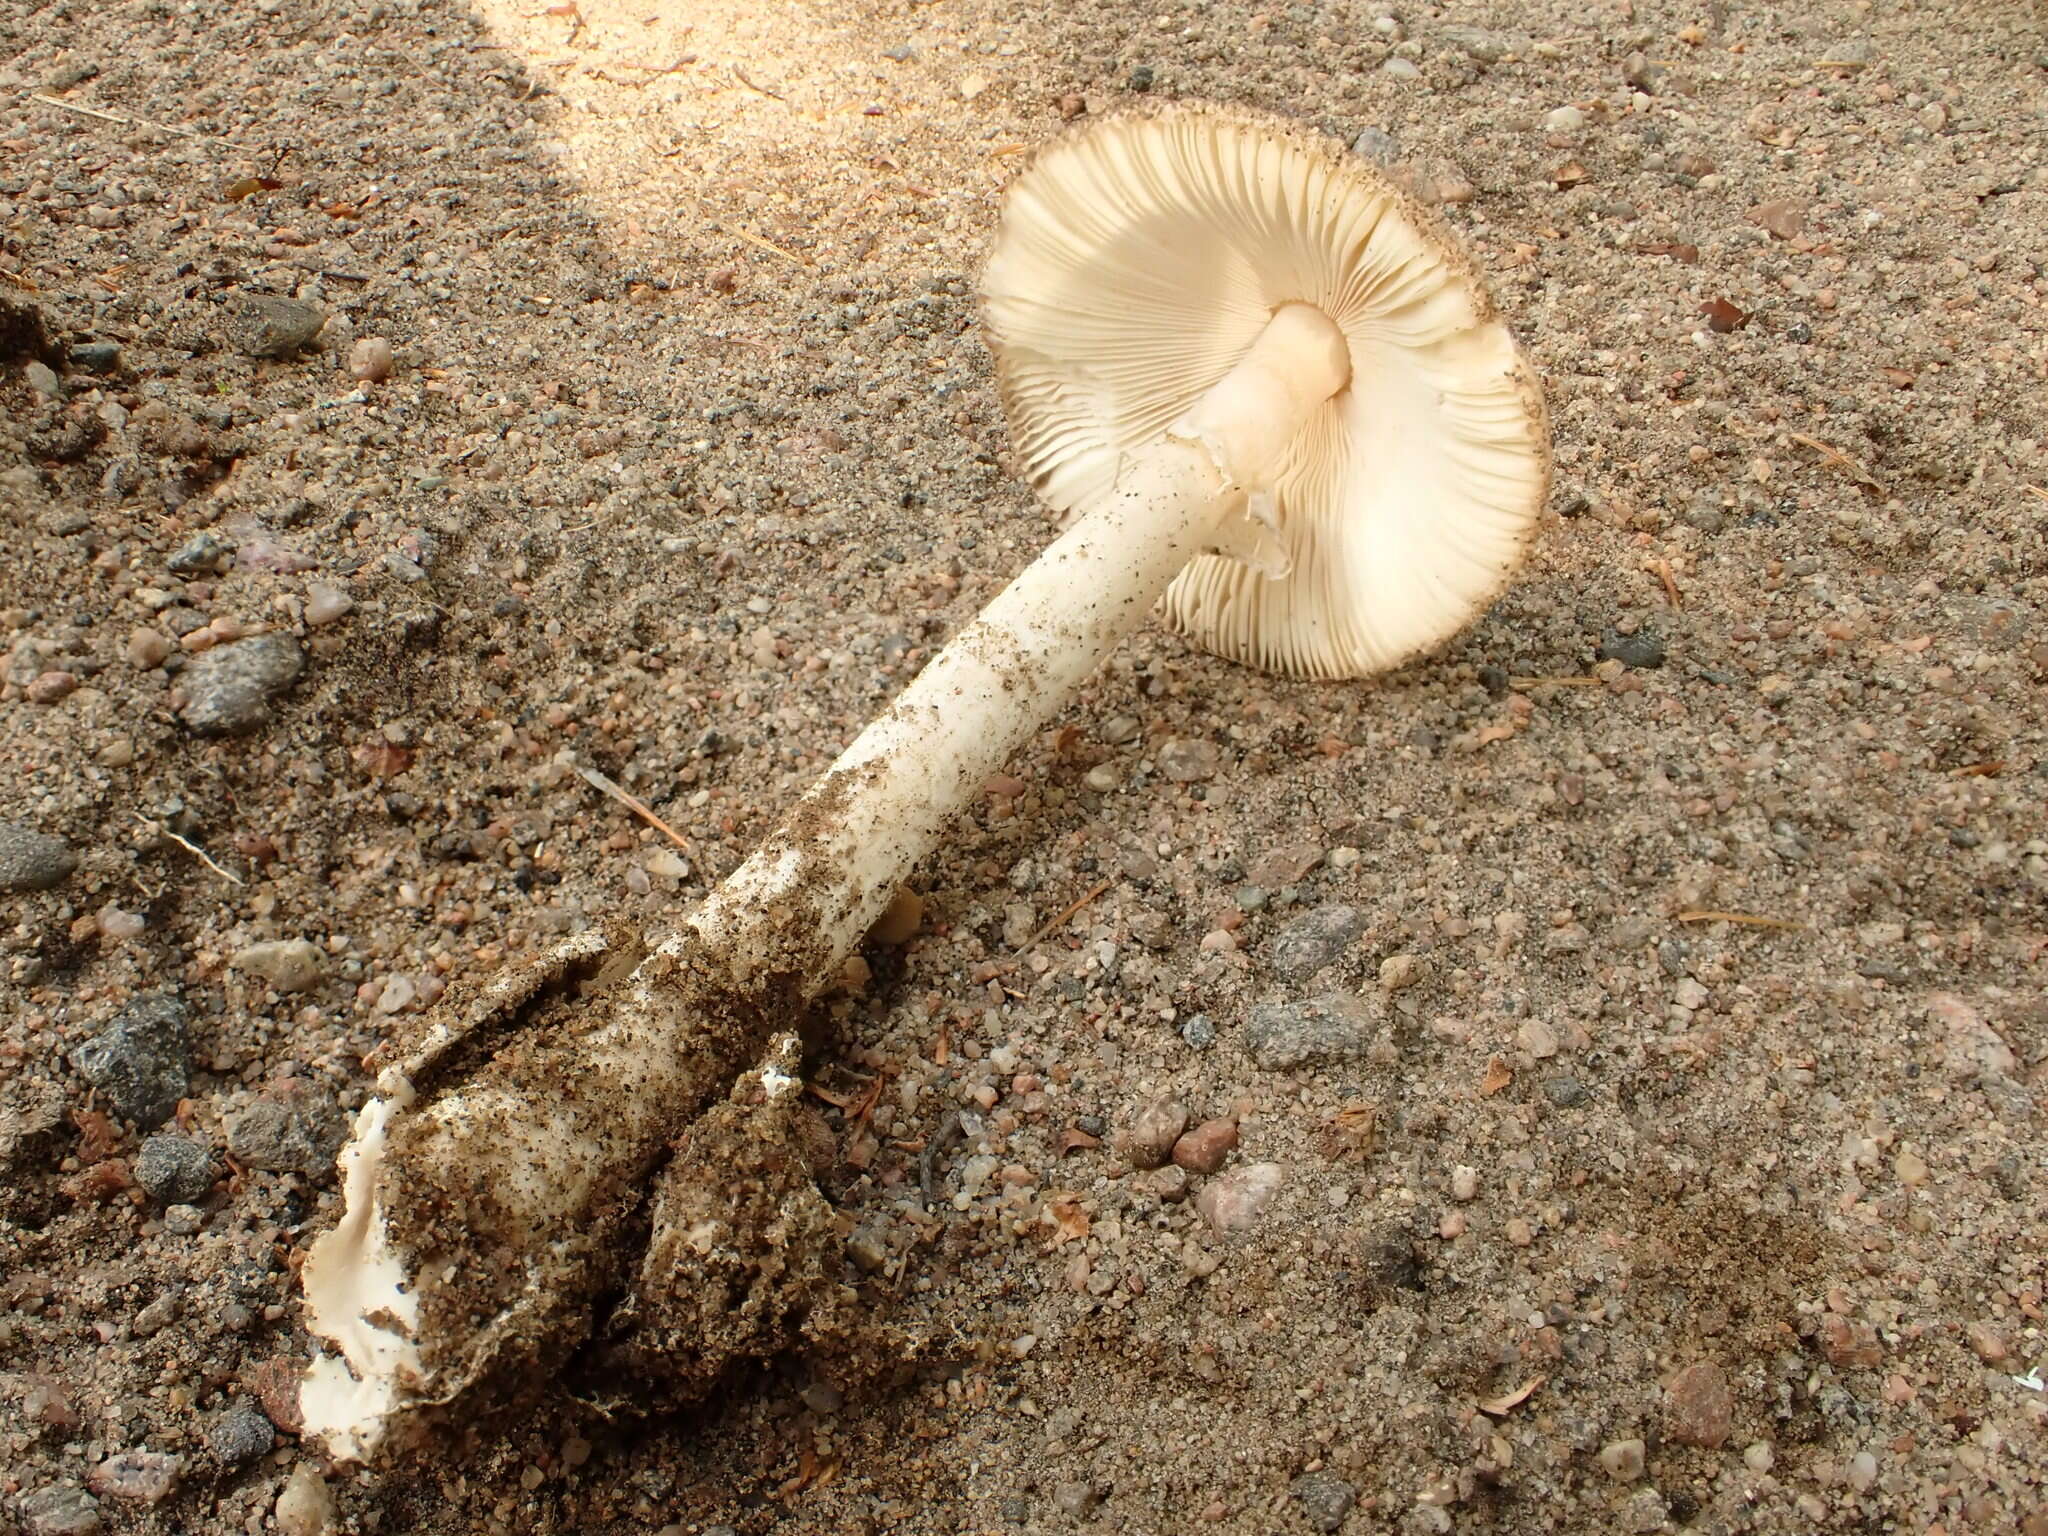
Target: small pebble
<point x="369" y="360"/>
<point x="1464" y="1183"/>
<point x="1987" y="1343"/>
<point x="290" y="965"/>
<point x="264" y="325"/>
<point x="1317" y="938"/>
<point x="1700" y="1406"/>
<point x="42" y="380"/>
<point x="141" y="1060"/>
<point x="1205" y="1148"/>
<point x="1565" y="1091"/>
<point x="306" y="1507"/>
<point x="1377" y="145"/>
<point x="325" y="603"/>
<point x="1120" y="730"/>
<point x="1850" y="1343"/>
<point x="1167" y="1185"/>
<point x="174" y="1170"/>
<point x="1154" y="1129"/>
<point x="1782" y="216"/>
<point x="202" y="553"/>
<point x="1198" y="1032"/>
<point x="296" y="1128"/>
<point x="32" y="860"/>
<point x="1401" y="971"/>
<point x="51" y="688"/>
<point x="137" y="1477"/>
<point x="900" y="920"/>
<point x="1565" y="122"/>
<point x="147" y="649"/>
<point x="1333" y="1027"/>
<point x="1233" y="1202"/>
<point x="1640" y="652"/>
<point x="1623" y="1460"/>
<point x="240" y="1435"/>
<point x="1325" y="1500"/>
<point x="60" y="1511"/>
<point x="1188" y="761"/>
<point x="229" y="689"/>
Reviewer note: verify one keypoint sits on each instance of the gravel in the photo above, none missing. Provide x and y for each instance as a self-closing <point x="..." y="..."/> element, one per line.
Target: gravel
<point x="32" y="860"/>
<point x="678" y="357"/>
<point x="140" y="1061"/>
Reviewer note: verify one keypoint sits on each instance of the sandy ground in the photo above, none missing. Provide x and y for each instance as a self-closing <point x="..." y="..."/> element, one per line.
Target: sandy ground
<point x="1679" y="1163"/>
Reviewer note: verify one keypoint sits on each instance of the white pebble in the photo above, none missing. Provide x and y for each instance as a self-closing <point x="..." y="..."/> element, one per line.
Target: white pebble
<point x="305" y="1508"/>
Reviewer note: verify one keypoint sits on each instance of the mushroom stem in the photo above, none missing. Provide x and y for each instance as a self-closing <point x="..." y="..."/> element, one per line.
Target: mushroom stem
<point x="846" y="846"/>
<point x="491" y="1181"/>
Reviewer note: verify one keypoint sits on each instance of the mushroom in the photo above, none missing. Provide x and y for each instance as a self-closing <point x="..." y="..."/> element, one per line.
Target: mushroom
<point x="1265" y="386"/>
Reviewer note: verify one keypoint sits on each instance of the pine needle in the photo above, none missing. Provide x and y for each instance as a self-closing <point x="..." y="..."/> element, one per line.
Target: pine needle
<point x="639" y="808"/>
<point x="1746" y="919"/>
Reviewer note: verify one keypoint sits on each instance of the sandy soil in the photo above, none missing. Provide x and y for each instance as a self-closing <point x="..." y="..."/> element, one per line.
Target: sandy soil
<point x="1677" y="1159"/>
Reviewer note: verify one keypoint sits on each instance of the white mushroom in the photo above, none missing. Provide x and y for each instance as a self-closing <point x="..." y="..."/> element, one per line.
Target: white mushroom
<point x="1197" y="276"/>
<point x="1254" y="374"/>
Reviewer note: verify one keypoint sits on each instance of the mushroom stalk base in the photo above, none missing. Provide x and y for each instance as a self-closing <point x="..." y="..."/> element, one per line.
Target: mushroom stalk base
<point x="491" y="1185"/>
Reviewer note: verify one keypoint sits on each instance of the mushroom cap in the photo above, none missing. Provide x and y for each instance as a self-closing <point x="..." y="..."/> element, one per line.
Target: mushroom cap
<point x="1139" y="258"/>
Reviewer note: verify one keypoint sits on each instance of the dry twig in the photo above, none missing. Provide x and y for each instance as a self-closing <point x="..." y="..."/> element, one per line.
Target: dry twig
<point x="1746" y="919"/>
<point x="639" y="808"/>
<point x="190" y="847"/>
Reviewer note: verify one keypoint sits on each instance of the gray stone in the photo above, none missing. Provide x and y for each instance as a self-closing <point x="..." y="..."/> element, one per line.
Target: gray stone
<point x="62" y="1511"/>
<point x="1314" y="939"/>
<point x="1705" y="512"/>
<point x="174" y="1170"/>
<point x="264" y="325"/>
<point x="1199" y="1032"/>
<point x="141" y="1061"/>
<point x="1326" y="1500"/>
<point x="32" y="860"/>
<point x="42" y="379"/>
<point x="1566" y="1091"/>
<point x="229" y="688"/>
<point x="1642" y="651"/>
<point x="1377" y="145"/>
<point x="240" y="1435"/>
<point x="204" y="551"/>
<point x="297" y="1128"/>
<point x="97" y="356"/>
<point x="1330" y="1028"/>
